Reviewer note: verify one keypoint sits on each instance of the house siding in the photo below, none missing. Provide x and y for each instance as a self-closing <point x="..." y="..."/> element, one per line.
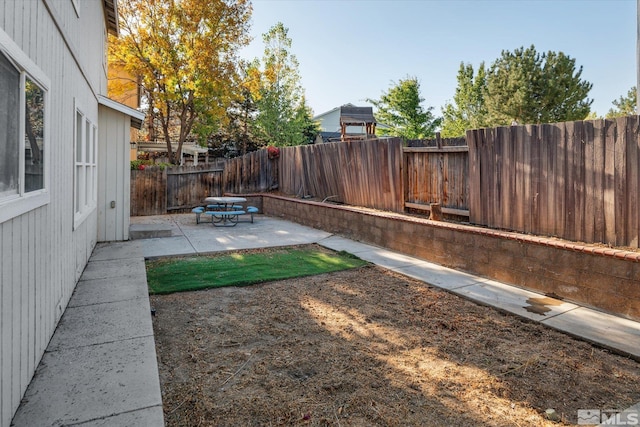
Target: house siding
<point x="113" y="179"/>
<point x="330" y="122"/>
<point x="41" y="255"/>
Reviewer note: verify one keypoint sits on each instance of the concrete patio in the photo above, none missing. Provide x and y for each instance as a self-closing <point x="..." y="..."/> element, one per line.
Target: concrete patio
<point x="100" y="367"/>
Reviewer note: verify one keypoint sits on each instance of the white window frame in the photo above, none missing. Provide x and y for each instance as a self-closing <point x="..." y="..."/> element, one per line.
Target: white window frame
<point x="85" y="171"/>
<point x="18" y="204"/>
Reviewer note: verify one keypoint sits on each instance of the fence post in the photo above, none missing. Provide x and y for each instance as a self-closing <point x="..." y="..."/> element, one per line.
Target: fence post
<point x="436" y="212"/>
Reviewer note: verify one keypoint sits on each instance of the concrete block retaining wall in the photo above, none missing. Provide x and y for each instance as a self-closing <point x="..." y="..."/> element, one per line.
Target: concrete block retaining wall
<point x="597" y="276"/>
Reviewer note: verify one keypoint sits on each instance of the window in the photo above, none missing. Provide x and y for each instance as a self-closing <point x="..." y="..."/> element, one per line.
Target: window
<point x="9" y="119"/>
<point x="23" y="135"/>
<point x="34" y="137"/>
<point x="85" y="179"/>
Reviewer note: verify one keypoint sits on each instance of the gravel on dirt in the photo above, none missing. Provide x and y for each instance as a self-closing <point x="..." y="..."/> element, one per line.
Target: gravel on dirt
<point x="369" y="347"/>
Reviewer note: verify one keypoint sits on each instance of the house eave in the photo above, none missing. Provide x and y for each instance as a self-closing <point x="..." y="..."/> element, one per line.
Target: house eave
<point x="111" y="16"/>
<point x="136" y="116"/>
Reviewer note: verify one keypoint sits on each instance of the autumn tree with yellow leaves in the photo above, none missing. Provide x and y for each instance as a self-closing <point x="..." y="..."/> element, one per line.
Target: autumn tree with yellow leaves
<point x="184" y="55"/>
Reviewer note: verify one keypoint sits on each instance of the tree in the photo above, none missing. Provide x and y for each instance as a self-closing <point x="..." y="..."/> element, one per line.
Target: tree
<point x="593" y="115"/>
<point x="468" y="110"/>
<point x="239" y="136"/>
<point x="184" y="53"/>
<point x="304" y="124"/>
<point x="527" y="87"/>
<point x="625" y="105"/>
<point x="280" y="93"/>
<point x="400" y="110"/>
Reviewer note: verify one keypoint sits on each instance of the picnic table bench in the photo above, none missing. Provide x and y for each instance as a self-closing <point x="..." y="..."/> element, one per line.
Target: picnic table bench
<point x="226" y="218"/>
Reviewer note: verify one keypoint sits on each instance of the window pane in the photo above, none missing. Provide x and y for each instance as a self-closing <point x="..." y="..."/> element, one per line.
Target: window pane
<point x="77" y="189"/>
<point x="9" y="120"/>
<point x="79" y="123"/>
<point x="87" y="157"/>
<point x="87" y="142"/>
<point x="95" y="145"/>
<point x="89" y="186"/>
<point x="34" y="137"/>
<point x="94" y="184"/>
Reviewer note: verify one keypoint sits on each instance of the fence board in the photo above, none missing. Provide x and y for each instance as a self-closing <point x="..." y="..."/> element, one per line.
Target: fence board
<point x="620" y="180"/>
<point x="518" y="136"/>
<point x="589" y="219"/>
<point x="498" y="149"/>
<point x="610" y="183"/>
<point x="560" y="213"/>
<point x="475" y="209"/>
<point x="545" y="180"/>
<point x="631" y="155"/>
<point x="508" y="195"/>
<point x="579" y="164"/>
<point x="531" y="151"/>
<point x="599" y="147"/>
<point x="570" y="187"/>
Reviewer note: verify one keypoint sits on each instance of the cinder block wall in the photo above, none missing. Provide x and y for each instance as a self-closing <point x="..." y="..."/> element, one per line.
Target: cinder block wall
<point x="601" y="277"/>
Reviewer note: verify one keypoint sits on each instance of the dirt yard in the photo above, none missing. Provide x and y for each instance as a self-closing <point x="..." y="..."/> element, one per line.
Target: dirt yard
<point x="368" y="347"/>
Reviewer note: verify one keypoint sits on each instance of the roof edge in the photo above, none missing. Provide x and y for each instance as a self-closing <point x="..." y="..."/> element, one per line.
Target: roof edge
<point x="348" y="104"/>
<point x="111" y="16"/>
<point x="137" y="117"/>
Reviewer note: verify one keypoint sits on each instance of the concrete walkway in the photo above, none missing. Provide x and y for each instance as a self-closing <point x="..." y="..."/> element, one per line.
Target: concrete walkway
<point x="100" y="367"/>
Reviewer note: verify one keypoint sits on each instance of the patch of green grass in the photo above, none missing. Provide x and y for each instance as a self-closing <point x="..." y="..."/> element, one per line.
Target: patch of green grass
<point x="243" y="268"/>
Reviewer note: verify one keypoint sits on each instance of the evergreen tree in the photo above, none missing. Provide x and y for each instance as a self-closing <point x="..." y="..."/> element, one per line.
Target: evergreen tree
<point x="527" y="87"/>
<point x="468" y="110"/>
<point x="400" y="110"/>
<point x="305" y="127"/>
<point x="625" y="105"/>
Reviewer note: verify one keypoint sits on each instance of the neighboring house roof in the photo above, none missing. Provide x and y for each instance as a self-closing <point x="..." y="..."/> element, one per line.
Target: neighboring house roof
<point x="111" y="16"/>
<point x="352" y="115"/>
<point x="326" y="113"/>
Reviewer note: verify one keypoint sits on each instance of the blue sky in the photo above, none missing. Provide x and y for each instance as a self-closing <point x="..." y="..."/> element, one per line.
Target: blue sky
<point x="350" y="50"/>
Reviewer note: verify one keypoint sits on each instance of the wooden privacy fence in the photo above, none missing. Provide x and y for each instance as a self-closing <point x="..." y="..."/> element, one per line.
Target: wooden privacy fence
<point x="575" y="180"/>
<point x="437" y="171"/>
<point x="251" y="173"/>
<point x="361" y="173"/>
<point x="156" y="190"/>
<point x="372" y="173"/>
<point x="148" y="191"/>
